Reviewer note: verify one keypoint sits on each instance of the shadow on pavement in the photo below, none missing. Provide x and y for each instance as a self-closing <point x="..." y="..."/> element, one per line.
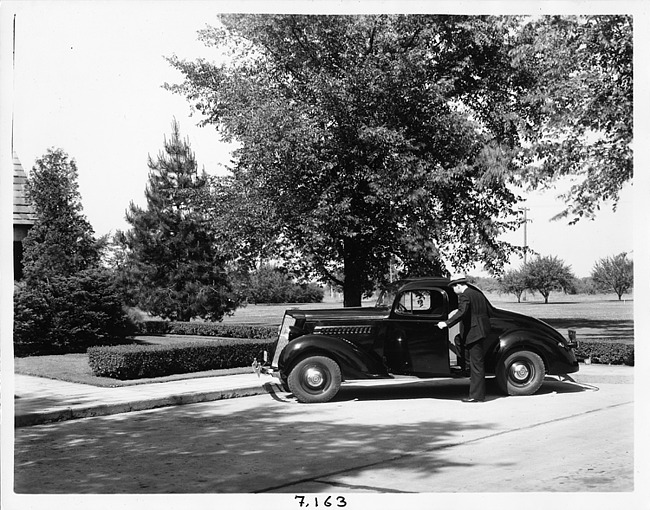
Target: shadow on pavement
<point x="442" y="390"/>
<point x="208" y="448"/>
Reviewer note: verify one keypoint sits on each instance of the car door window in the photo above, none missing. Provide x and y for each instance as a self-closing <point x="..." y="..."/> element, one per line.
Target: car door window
<point x="421" y="302"/>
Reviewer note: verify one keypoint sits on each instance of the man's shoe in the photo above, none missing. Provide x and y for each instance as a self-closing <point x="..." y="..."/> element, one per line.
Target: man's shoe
<point x="472" y="400"/>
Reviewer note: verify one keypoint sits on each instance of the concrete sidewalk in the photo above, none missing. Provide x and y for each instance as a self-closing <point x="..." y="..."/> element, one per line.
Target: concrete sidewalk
<point x="38" y="400"/>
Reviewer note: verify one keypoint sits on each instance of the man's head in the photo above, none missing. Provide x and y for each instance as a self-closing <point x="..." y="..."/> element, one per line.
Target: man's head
<point x="459" y="285"/>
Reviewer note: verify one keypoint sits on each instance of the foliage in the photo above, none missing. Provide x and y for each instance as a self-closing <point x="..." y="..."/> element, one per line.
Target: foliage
<point x="66" y="302"/>
<point x="546" y="274"/>
<point x="606" y="353"/>
<point x="486" y="284"/>
<point x="584" y="286"/>
<point x="221" y="330"/>
<point x="614" y="273"/>
<point x="513" y="282"/>
<point x="61" y="241"/>
<point x="273" y="285"/>
<point x="363" y="139"/>
<point x="139" y="361"/>
<point x="576" y="111"/>
<point x="172" y="266"/>
<point x="68" y="313"/>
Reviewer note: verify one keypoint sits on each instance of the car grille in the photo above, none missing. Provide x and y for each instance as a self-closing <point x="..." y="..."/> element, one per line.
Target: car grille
<point x="343" y="330"/>
<point x="283" y="338"/>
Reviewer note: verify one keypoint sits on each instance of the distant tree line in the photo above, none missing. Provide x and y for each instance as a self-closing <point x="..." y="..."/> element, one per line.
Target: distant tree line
<point x="547" y="274"/>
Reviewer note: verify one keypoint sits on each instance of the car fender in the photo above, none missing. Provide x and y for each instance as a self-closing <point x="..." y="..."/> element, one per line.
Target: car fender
<point x="556" y="359"/>
<point x="354" y="363"/>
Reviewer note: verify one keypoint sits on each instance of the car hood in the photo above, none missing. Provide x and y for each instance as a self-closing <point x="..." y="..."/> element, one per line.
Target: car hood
<point x="341" y="314"/>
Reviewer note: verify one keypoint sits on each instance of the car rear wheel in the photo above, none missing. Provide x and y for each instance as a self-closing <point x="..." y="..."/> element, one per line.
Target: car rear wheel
<point x="315" y="379"/>
<point x="521" y="373"/>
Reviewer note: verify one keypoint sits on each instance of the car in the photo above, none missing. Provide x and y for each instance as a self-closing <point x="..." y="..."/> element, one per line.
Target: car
<point x="318" y="350"/>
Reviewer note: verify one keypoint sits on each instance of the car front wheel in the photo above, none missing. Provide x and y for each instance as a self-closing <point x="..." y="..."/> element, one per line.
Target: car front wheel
<point x="521" y="373"/>
<point x="315" y="379"/>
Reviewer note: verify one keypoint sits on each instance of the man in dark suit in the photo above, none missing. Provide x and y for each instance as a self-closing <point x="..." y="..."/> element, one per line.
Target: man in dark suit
<point x="474" y="321"/>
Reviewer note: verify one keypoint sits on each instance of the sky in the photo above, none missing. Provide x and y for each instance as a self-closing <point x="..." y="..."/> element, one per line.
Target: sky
<point x="88" y="79"/>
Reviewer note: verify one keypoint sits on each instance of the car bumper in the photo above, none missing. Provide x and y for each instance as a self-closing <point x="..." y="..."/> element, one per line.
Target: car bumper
<point x="265" y="369"/>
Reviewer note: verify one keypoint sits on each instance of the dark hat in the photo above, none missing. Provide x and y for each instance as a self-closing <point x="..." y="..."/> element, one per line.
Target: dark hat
<point x="458" y="281"/>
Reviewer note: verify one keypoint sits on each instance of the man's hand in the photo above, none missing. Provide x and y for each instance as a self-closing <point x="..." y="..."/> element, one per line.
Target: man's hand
<point x="442" y="324"/>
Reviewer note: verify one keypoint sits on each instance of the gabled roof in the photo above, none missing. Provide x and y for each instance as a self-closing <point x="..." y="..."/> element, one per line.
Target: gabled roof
<point x="24" y="213"/>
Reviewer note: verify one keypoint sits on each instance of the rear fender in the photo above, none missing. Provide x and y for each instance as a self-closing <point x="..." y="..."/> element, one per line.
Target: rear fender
<point x="354" y="363"/>
<point x="556" y="359"/>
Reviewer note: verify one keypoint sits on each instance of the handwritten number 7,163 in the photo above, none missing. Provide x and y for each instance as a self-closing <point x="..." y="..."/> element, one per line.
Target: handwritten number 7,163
<point x="329" y="501"/>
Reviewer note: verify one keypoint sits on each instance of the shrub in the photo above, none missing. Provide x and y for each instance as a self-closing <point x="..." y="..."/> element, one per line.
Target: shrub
<point x="63" y="314"/>
<point x="606" y="353"/>
<point x="207" y="329"/>
<point x="140" y="361"/>
<point x="274" y="285"/>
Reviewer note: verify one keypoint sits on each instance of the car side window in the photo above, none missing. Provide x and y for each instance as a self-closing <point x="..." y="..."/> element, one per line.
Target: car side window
<point x="421" y="302"/>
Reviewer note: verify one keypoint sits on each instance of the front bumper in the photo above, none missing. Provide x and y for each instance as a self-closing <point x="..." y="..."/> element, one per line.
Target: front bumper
<point x="264" y="368"/>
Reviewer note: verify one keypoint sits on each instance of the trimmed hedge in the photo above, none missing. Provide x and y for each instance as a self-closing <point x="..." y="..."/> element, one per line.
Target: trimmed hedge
<point x="606" y="353"/>
<point x="207" y="329"/>
<point x="143" y="361"/>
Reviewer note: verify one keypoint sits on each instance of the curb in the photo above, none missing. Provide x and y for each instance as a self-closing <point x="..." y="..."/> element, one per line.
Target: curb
<point x="89" y="411"/>
<point x="600" y="379"/>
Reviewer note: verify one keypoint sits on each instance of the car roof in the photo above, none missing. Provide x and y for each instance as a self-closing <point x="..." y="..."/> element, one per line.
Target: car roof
<point x="423" y="282"/>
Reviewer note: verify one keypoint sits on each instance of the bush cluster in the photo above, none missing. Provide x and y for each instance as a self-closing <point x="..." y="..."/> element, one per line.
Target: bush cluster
<point x="207" y="329"/>
<point x="143" y="361"/>
<point x="274" y="285"/>
<point x="62" y="314"/>
<point x="606" y="353"/>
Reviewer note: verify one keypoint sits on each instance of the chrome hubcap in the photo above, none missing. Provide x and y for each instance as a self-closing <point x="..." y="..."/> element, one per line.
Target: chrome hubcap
<point x="519" y="371"/>
<point x="314" y="377"/>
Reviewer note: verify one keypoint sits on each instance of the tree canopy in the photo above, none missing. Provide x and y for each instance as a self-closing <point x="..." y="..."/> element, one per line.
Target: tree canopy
<point x="577" y="107"/>
<point x="546" y="274"/>
<point x="61" y="242"/>
<point x="367" y="137"/>
<point x="614" y="273"/>
<point x="513" y="282"/>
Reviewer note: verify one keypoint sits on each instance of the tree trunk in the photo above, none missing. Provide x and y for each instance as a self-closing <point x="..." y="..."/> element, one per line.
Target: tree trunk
<point x="351" y="294"/>
<point x="352" y="269"/>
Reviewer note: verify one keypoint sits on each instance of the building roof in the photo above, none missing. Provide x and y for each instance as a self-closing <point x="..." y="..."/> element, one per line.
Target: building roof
<point x="24" y="213"/>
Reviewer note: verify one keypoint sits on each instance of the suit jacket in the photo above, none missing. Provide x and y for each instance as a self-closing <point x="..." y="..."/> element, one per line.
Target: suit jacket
<point x="473" y="316"/>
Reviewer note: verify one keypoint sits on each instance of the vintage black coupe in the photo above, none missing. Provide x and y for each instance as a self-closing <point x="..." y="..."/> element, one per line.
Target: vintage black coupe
<point x="317" y="350"/>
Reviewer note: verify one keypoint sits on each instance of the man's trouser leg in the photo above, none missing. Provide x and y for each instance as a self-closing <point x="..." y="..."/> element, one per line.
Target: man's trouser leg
<point x="477" y="370"/>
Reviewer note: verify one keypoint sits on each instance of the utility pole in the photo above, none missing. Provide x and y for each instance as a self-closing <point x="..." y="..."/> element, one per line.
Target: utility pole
<point x="525" y="209"/>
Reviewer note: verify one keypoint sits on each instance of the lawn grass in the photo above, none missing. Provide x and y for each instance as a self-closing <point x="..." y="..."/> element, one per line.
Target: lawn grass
<point x="596" y="318"/>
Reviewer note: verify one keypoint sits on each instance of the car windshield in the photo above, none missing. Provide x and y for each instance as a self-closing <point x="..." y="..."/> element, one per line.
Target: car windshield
<point x="385" y="299"/>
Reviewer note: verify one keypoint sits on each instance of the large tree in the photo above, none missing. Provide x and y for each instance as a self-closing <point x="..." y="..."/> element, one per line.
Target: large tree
<point x="513" y="282"/>
<point x="614" y="273"/>
<point x="546" y="274"/>
<point x="364" y="139"/>
<point x="577" y="107"/>
<point x="174" y="268"/>
<point x="62" y="240"/>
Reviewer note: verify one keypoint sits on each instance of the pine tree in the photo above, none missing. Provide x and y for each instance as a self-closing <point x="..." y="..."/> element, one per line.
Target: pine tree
<point x="67" y="301"/>
<point x="173" y="266"/>
<point x="61" y="242"/>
